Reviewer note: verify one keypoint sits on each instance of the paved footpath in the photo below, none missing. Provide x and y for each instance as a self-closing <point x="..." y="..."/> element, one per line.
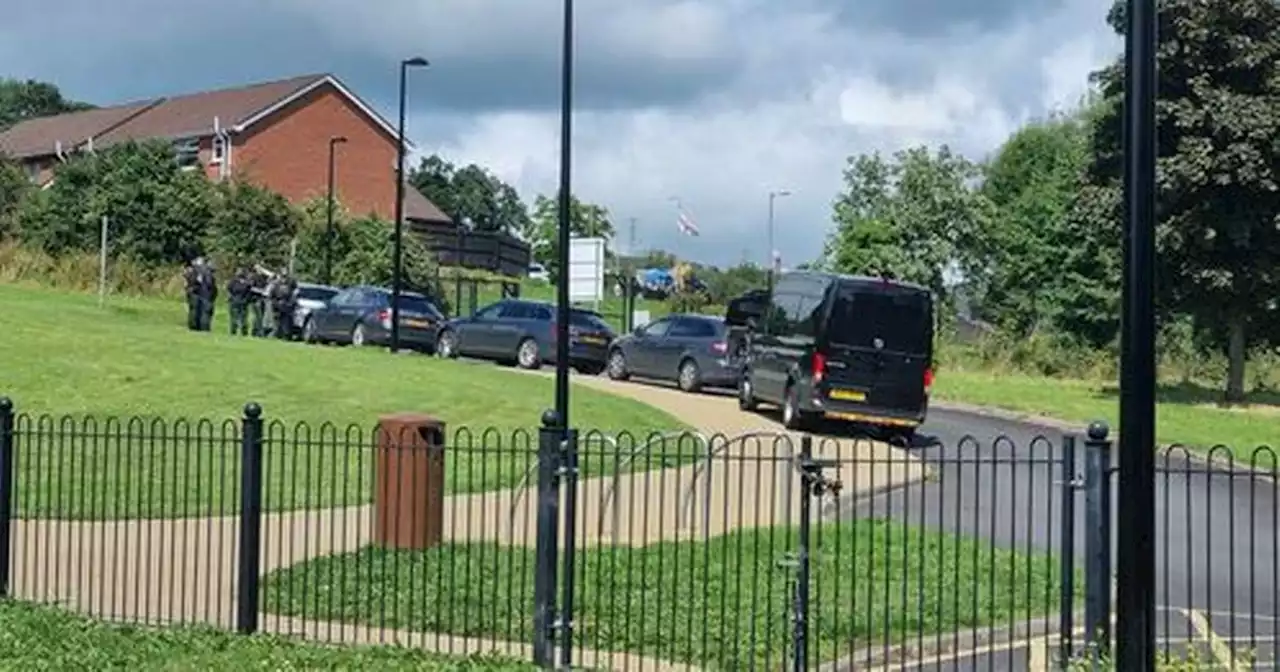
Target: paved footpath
<point x="184" y="570"/>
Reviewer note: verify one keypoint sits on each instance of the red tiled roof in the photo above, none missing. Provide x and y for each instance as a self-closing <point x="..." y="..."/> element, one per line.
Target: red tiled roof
<point x="419" y="207"/>
<point x="193" y="115"/>
<point x="185" y="116"/>
<point x="39" y="137"/>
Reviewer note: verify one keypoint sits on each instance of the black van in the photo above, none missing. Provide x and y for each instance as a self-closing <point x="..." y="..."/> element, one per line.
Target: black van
<point x="846" y="347"/>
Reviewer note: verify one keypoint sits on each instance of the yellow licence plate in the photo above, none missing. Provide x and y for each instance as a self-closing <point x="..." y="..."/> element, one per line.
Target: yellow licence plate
<point x="421" y="324"/>
<point x="592" y="340"/>
<point x="848" y="395"/>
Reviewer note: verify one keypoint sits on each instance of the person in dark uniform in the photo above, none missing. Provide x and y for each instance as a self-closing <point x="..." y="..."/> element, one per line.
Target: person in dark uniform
<point x="239" y="294"/>
<point x="191" y="279"/>
<point x="283" y="302"/>
<point x="207" y="293"/>
<point x="259" y="287"/>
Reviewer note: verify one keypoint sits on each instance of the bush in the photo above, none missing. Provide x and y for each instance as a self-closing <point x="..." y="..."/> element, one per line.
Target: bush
<point x="160" y="217"/>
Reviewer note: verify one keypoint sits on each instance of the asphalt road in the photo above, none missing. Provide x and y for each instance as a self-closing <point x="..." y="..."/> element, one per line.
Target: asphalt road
<point x="1218" y="579"/>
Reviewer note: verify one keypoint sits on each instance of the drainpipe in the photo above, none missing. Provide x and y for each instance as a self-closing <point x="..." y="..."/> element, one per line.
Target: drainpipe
<point x="223" y="136"/>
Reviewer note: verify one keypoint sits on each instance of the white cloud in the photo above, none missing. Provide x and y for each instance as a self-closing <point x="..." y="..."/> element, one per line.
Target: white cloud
<point x="717" y="101"/>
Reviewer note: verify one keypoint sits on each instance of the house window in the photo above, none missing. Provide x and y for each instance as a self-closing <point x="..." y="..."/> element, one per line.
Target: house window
<point x="187" y="152"/>
<point x="219" y="149"/>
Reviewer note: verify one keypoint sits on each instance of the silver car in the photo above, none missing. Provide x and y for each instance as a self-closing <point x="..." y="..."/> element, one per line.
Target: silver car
<point x="311" y="297"/>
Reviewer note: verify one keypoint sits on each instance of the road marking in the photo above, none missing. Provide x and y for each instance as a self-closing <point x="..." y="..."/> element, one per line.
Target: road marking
<point x="1038" y="655"/>
<point x="1201" y="625"/>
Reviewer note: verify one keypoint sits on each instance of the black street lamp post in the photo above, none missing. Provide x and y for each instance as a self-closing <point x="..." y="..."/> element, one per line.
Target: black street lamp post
<point x="1136" y="557"/>
<point x="562" y="283"/>
<point x="328" y="229"/>
<point x="397" y="270"/>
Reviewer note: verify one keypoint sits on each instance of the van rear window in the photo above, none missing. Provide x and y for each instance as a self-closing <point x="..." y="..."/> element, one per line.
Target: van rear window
<point x="902" y="319"/>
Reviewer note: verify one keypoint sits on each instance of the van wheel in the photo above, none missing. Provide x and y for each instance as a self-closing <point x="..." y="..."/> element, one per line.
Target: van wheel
<point x="746" y="393"/>
<point x="792" y="416"/>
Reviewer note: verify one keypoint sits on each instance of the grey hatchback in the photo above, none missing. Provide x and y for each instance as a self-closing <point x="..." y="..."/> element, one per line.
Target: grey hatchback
<point x="692" y="350"/>
<point x="524" y="332"/>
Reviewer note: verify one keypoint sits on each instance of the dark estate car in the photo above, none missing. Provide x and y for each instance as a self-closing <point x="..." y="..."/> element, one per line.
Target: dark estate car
<point x="847" y="347"/>
<point x="524" y="332"/>
<point x="692" y="350"/>
<point x="362" y="316"/>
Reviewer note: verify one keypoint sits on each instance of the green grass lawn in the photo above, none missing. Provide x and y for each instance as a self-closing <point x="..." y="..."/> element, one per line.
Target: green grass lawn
<point x="1185" y="415"/>
<point x="720" y="604"/>
<point x="66" y="356"/>
<point x="46" y="638"/>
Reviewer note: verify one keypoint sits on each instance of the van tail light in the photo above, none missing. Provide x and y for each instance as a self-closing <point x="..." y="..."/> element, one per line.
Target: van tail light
<point x="819" y="367"/>
<point x="384" y="316"/>
<point x="928" y="380"/>
<point x="720" y="347"/>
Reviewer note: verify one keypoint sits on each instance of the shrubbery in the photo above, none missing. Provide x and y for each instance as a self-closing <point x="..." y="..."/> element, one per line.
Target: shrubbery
<point x="160" y="217"/>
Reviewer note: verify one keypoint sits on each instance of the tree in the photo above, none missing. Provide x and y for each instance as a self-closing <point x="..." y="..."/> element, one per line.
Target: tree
<point x="1218" y="185"/>
<point x="909" y="217"/>
<point x="1032" y="183"/>
<point x="586" y="220"/>
<point x="159" y="213"/>
<point x="252" y="225"/>
<point x="22" y="100"/>
<point x="470" y="194"/>
<point x="14" y="186"/>
<point x="362" y="250"/>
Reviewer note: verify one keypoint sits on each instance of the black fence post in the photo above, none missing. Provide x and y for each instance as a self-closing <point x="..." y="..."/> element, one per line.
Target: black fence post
<point x="1097" y="580"/>
<point x="7" y="448"/>
<point x="1067" y="601"/>
<point x="813" y="485"/>
<point x="544" y="579"/>
<point x="569" y="473"/>
<point x="247" y="588"/>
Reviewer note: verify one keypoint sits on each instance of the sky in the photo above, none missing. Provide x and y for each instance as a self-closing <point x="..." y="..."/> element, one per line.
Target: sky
<point x="713" y="102"/>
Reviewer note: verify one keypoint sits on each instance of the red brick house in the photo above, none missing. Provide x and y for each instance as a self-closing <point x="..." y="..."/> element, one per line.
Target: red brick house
<point x="275" y="134"/>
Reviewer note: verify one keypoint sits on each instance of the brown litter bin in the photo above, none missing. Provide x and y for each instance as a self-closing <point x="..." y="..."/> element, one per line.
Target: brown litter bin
<point x="408" y="499"/>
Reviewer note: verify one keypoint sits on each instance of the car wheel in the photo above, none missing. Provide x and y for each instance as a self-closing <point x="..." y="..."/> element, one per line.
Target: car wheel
<point x="309" y="331"/>
<point x="792" y="416"/>
<point x="357" y="335"/>
<point x="618" y="366"/>
<point x="746" y="393"/>
<point x="689" y="377"/>
<point x="447" y="344"/>
<point x="527" y="355"/>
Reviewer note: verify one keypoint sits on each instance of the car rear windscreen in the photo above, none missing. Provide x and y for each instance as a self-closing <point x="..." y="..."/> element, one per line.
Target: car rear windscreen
<point x="587" y="321"/>
<point x="900" y="317"/>
<point x="420" y="305"/>
<point x="316" y="293"/>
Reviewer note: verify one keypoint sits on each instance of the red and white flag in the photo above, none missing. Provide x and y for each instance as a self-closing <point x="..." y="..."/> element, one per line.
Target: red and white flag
<point x="685" y="222"/>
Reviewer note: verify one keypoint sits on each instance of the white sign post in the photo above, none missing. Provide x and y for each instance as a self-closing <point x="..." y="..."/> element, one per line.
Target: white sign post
<point x="102" y="264"/>
<point x="586" y="270"/>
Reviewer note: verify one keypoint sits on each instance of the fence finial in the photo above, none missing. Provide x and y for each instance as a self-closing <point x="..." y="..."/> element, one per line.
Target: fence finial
<point x="550" y="419"/>
<point x="252" y="410"/>
<point x="6" y="404"/>
<point x="1098" y="430"/>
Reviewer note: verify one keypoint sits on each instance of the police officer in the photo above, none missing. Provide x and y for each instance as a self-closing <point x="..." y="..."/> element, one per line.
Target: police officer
<point x="239" y="294"/>
<point x="207" y="293"/>
<point x="283" y="302"/>
<point x="260" y="288"/>
<point x="191" y="280"/>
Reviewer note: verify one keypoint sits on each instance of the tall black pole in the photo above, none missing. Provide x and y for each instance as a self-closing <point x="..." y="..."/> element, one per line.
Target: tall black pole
<point x="328" y="229"/>
<point x="1135" y="580"/>
<point x="396" y="269"/>
<point x="562" y="254"/>
<point x="397" y="279"/>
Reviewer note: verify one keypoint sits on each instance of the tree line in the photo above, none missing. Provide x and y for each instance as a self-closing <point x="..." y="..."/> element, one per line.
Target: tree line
<point x="1034" y="233"/>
